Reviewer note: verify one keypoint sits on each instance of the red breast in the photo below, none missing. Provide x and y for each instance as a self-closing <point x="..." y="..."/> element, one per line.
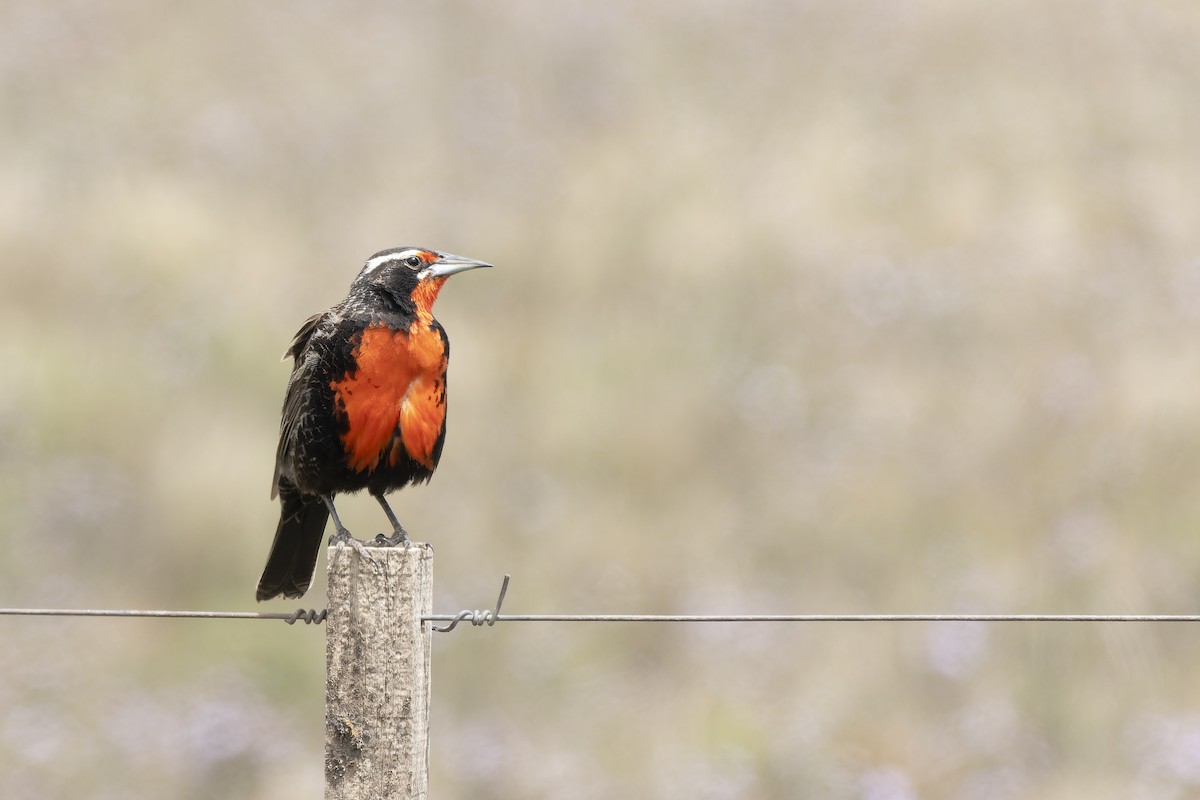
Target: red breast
<point x="396" y="397"/>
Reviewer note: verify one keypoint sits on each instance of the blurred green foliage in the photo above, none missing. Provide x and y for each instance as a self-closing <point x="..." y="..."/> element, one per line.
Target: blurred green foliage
<point x="799" y="307"/>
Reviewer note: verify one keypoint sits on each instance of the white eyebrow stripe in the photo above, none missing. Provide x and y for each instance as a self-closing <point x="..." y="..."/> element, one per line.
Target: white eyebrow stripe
<point x="386" y="257"/>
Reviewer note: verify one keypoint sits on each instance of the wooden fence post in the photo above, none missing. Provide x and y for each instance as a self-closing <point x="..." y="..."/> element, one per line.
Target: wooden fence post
<point x="377" y="673"/>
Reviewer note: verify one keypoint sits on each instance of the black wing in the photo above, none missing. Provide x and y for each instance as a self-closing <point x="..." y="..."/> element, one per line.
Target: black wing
<point x="294" y="400"/>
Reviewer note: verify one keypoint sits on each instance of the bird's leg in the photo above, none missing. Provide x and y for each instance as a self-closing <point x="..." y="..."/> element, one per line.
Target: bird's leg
<point x="343" y="536"/>
<point x="342" y="533"/>
<point x="399" y="535"/>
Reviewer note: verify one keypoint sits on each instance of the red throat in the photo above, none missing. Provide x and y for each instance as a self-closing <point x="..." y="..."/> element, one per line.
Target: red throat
<point x="425" y="294"/>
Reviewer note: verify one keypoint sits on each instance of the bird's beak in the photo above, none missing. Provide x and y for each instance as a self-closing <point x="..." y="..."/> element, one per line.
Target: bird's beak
<point x="448" y="264"/>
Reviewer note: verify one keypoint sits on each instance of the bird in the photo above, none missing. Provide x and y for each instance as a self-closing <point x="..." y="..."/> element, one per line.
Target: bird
<point x="365" y="407"/>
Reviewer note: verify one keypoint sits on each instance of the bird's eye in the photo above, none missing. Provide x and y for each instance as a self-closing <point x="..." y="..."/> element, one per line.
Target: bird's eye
<point x="413" y="261"/>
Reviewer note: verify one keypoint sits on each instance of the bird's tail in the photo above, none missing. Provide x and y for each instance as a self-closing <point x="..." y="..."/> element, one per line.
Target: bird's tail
<point x="297" y="544"/>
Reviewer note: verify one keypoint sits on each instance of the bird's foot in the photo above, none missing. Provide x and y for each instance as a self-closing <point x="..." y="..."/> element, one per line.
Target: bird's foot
<point x="343" y="537"/>
<point x="399" y="538"/>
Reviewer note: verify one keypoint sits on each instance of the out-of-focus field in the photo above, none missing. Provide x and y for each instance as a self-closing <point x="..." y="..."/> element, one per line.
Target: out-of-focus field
<point x="798" y="308"/>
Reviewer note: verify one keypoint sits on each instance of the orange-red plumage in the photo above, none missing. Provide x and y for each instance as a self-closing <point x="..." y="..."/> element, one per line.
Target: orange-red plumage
<point x="396" y="395"/>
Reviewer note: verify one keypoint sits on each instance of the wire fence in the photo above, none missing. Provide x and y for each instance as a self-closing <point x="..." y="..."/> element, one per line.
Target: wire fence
<point x="480" y="618"/>
<point x="490" y="617"/>
<point x="308" y="616"/>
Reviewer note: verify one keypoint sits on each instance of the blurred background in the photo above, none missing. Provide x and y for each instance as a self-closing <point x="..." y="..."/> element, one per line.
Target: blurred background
<point x="799" y="307"/>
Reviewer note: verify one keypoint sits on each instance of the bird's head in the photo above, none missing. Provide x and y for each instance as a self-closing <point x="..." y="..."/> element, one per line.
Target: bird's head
<point x="412" y="274"/>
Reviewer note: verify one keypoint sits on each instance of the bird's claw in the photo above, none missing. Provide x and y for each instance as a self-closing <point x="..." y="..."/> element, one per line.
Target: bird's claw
<point x="343" y="537"/>
<point x="397" y="539"/>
